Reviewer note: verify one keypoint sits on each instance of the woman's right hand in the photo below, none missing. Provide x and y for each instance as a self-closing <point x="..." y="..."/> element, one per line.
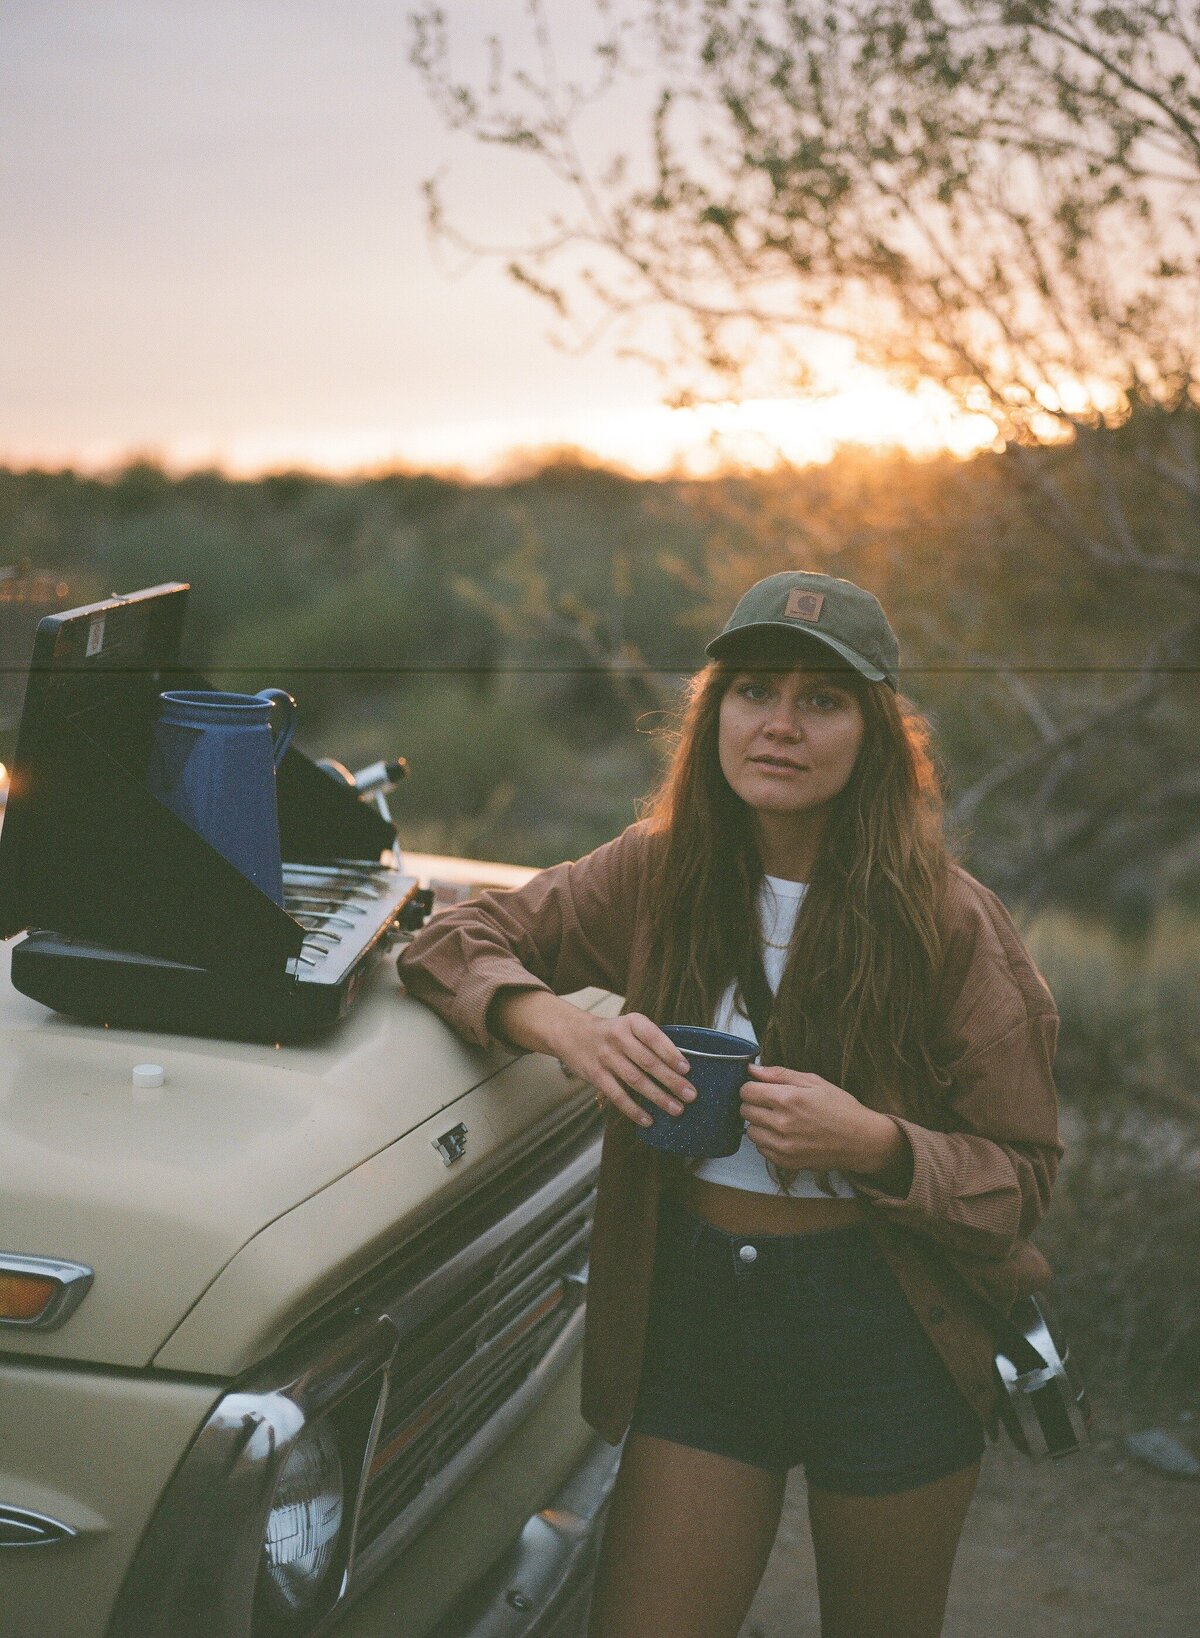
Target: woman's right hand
<point x="629" y="1053"/>
<point x="615" y="1055"/>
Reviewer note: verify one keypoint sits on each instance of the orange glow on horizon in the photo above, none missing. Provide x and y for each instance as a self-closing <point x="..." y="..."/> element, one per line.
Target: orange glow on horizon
<point x="862" y="410"/>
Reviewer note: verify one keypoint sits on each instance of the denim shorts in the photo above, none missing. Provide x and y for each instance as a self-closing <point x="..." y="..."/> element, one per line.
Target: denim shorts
<point x="784" y="1348"/>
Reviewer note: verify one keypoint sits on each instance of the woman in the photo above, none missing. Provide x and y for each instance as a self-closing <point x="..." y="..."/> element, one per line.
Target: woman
<point x="821" y="1296"/>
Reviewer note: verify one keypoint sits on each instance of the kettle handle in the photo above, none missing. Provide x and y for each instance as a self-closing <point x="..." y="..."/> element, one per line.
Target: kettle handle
<point x="281" y="698"/>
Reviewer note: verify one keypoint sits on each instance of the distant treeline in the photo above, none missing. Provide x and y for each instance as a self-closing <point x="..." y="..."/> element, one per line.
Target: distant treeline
<point x="521" y="642"/>
<point x="524" y="643"/>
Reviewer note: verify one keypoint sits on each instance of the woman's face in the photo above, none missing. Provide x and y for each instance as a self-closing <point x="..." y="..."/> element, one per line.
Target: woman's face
<point x="788" y="740"/>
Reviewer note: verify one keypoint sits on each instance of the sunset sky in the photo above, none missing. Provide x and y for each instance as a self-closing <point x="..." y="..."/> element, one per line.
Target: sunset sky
<point x="214" y="252"/>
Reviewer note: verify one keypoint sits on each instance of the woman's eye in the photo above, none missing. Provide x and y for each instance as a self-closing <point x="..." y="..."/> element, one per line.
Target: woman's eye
<point x="754" y="691"/>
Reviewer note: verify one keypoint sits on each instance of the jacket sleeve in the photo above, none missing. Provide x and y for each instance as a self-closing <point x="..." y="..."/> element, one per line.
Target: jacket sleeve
<point x="984" y="1182"/>
<point x="568" y="927"/>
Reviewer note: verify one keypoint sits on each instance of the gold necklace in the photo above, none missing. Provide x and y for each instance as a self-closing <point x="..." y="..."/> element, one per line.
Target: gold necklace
<point x="771" y="944"/>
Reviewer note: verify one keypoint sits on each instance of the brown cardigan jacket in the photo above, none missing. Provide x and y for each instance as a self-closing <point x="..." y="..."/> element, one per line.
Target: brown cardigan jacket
<point x="984" y="1138"/>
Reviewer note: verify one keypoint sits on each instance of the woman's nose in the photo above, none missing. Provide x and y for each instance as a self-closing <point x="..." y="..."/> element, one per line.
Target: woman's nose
<point x="783" y="723"/>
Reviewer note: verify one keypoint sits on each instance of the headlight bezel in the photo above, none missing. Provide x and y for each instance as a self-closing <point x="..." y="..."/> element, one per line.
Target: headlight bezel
<point x="215" y="1511"/>
<point x="353" y="1422"/>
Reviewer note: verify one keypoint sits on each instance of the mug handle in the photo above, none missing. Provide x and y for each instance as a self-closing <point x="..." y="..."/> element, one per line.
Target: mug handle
<point x="281" y="698"/>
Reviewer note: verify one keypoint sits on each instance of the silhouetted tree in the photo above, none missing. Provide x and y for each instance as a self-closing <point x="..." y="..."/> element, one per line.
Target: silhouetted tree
<point x="997" y="197"/>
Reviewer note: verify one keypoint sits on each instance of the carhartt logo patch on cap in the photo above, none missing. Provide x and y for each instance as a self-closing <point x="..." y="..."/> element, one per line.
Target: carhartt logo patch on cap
<point x="803" y="605"/>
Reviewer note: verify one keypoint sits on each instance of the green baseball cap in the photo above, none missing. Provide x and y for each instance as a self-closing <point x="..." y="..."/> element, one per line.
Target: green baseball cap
<point x="820" y="607"/>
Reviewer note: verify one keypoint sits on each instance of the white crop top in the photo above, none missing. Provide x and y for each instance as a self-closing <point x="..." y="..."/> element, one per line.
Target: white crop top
<point x="779" y="904"/>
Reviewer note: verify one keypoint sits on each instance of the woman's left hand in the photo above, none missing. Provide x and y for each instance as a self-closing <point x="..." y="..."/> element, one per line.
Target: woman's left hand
<point x="801" y="1121"/>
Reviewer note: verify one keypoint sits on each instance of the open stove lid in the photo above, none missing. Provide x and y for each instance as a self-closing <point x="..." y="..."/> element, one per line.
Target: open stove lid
<point x="87" y="850"/>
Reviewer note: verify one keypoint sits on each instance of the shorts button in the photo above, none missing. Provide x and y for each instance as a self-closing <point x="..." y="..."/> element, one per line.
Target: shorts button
<point x="936" y="1316"/>
<point x="747" y="1253"/>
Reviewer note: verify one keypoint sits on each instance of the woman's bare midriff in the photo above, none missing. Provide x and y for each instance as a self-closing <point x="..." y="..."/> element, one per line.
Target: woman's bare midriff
<point x="747" y="1211"/>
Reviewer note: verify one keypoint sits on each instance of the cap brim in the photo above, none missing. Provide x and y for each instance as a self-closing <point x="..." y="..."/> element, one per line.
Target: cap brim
<point x="733" y="645"/>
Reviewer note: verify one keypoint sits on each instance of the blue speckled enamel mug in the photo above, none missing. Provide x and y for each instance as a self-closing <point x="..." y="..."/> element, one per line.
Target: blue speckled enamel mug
<point x="712" y="1123"/>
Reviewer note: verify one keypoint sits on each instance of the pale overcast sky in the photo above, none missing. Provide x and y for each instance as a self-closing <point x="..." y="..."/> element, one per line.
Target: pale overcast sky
<point x="212" y="242"/>
<point x="213" y="250"/>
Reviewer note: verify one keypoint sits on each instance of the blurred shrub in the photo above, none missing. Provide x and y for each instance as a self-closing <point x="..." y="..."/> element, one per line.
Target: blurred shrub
<point x="493" y="775"/>
<point x="1123" y="1231"/>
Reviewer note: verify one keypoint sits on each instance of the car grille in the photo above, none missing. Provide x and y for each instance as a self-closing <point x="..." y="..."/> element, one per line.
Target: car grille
<point x="466" y="1361"/>
<point x="473" y="1340"/>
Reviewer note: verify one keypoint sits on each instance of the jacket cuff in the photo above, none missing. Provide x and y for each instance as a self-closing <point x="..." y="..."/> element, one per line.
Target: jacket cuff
<point x="979" y="1222"/>
<point x="917" y="1201"/>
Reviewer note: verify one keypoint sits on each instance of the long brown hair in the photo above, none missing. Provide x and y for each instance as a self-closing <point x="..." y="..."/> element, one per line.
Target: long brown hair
<point x="855" y="999"/>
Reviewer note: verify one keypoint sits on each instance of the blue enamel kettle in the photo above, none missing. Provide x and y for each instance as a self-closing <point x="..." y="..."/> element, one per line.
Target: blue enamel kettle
<point x="213" y="764"/>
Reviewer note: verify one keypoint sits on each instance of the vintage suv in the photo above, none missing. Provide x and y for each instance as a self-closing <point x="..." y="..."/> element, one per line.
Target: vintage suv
<point x="289" y="1330"/>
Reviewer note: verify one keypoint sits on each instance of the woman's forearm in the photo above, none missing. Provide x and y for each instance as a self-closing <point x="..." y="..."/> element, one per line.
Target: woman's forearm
<point x="533" y="1020"/>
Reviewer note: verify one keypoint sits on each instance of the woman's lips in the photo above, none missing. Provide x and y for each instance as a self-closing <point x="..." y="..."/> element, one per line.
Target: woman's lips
<point x="776" y="764"/>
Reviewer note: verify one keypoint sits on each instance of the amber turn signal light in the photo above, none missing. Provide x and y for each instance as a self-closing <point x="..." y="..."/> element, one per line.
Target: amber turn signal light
<point x="25" y="1296"/>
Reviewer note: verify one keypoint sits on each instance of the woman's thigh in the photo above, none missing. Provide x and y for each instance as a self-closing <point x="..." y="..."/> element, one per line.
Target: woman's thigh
<point x="686" y="1541"/>
<point x="884" y="1562"/>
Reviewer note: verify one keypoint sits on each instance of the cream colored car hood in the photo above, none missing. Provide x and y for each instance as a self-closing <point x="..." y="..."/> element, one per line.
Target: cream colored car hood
<point x="158" y="1190"/>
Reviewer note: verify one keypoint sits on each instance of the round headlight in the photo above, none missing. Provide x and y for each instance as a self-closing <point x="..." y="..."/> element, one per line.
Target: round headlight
<point x="306" y="1517"/>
